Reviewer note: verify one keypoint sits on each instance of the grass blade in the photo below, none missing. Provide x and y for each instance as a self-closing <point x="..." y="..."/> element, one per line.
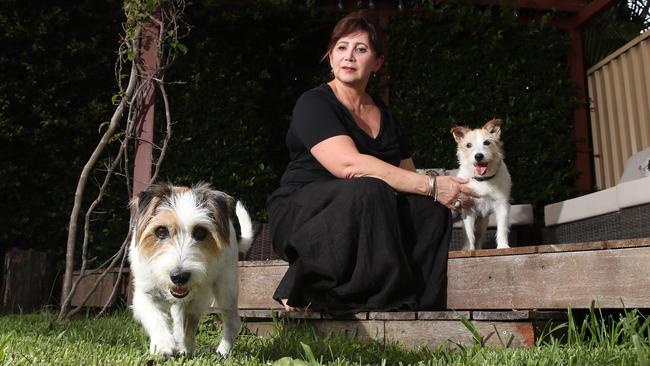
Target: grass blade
<point x="476" y="335"/>
<point x="309" y="355"/>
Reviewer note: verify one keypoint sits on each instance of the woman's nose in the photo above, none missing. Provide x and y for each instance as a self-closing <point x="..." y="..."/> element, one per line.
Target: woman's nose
<point x="350" y="55"/>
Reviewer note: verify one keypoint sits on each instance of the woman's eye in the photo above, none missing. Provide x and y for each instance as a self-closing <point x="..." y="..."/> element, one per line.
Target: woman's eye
<point x="199" y="233"/>
<point x="469" y="146"/>
<point x="341" y="48"/>
<point x="361" y="50"/>
<point x="486" y="142"/>
<point x="161" y="232"/>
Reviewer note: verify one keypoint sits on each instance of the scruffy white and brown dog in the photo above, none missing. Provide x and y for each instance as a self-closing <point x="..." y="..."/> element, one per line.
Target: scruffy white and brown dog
<point x="183" y="255"/>
<point x="480" y="156"/>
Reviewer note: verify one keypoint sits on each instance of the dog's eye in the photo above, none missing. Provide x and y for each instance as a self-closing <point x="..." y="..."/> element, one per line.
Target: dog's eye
<point x="486" y="142"/>
<point x="161" y="232"/>
<point x="469" y="145"/>
<point x="199" y="233"/>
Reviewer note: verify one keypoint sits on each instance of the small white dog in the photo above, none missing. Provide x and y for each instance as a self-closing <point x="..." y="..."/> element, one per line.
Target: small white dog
<point x="183" y="255"/>
<point x="480" y="156"/>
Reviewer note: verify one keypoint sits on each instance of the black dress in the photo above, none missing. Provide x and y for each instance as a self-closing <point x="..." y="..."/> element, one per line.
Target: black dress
<point x="354" y="244"/>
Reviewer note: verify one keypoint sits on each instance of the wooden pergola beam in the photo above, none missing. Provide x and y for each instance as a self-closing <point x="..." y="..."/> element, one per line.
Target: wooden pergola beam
<point x="573" y="6"/>
<point x="591" y="10"/>
<point x="390" y="7"/>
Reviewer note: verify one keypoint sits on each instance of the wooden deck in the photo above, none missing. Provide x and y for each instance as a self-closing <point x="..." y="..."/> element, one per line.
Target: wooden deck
<point x="514" y="292"/>
<point x="526" y="278"/>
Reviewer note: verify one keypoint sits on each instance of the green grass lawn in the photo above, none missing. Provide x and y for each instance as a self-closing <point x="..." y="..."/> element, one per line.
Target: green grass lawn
<point x="39" y="339"/>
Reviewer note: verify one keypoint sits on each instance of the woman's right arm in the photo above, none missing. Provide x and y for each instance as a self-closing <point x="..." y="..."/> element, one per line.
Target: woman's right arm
<point x="339" y="155"/>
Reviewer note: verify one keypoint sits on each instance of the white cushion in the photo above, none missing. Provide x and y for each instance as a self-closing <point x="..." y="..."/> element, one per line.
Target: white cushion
<point x="633" y="193"/>
<point x="519" y="215"/>
<point x="637" y="166"/>
<point x="590" y="205"/>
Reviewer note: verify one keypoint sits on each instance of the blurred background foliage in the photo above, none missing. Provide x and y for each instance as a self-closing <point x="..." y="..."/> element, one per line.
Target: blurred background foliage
<point x="614" y="28"/>
<point x="233" y="92"/>
<point x="468" y="65"/>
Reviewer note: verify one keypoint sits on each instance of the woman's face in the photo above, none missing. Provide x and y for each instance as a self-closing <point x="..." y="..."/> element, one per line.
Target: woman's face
<point x="352" y="60"/>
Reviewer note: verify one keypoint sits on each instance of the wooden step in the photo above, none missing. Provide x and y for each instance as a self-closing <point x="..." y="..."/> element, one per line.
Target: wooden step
<point x="413" y="329"/>
<point x="523" y="278"/>
<point x="506" y="294"/>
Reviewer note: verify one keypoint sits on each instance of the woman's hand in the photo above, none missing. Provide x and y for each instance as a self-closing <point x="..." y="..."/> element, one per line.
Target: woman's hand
<point x="452" y="189"/>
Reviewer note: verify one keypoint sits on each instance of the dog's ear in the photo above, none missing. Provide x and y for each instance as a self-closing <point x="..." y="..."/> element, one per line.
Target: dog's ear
<point x="218" y="204"/>
<point x="145" y="205"/>
<point x="152" y="194"/>
<point x="493" y="127"/>
<point x="459" y="132"/>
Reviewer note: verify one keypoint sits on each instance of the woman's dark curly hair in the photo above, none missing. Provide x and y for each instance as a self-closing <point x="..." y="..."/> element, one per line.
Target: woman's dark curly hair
<point x="359" y="21"/>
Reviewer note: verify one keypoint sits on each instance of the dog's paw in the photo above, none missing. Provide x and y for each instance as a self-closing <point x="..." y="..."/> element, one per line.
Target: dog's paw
<point x="224" y="348"/>
<point x="187" y="351"/>
<point x="468" y="246"/>
<point x="164" y="352"/>
<point x="164" y="349"/>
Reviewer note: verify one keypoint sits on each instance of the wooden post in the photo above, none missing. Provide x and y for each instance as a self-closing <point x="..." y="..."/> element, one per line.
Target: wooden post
<point x="384" y="12"/>
<point x="145" y="120"/>
<point x="584" y="182"/>
<point x="573" y="26"/>
<point x="584" y="155"/>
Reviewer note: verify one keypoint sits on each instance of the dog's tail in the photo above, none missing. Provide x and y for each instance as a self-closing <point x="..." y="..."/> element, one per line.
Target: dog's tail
<point x="246" y="227"/>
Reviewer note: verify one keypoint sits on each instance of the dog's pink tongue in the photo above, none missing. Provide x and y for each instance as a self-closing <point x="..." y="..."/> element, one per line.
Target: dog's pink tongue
<point x="480" y="169"/>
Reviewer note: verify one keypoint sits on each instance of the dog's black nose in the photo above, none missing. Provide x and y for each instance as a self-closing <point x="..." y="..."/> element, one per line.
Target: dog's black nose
<point x="479" y="157"/>
<point x="180" y="277"/>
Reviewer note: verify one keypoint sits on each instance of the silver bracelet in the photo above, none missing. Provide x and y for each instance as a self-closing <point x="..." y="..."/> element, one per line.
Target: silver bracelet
<point x="432" y="188"/>
<point x="435" y="189"/>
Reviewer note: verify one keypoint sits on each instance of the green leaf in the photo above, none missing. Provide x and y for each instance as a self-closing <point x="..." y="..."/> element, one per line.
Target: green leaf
<point x="288" y="361"/>
<point x="309" y="354"/>
<point x="182" y="48"/>
<point x="102" y="125"/>
<point x="476" y="335"/>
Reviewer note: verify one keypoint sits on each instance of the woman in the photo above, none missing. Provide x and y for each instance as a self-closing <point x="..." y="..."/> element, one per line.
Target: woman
<point x="361" y="230"/>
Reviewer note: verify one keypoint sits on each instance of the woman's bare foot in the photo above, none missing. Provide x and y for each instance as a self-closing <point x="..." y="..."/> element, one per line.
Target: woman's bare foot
<point x="290" y="308"/>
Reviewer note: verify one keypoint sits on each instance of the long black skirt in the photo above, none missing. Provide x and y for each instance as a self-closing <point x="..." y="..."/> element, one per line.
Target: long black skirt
<point x="357" y="245"/>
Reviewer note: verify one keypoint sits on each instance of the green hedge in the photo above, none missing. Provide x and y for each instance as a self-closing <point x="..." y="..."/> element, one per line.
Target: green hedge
<point x="245" y="67"/>
<point x="464" y="65"/>
<point x="56" y="82"/>
<point x="457" y="64"/>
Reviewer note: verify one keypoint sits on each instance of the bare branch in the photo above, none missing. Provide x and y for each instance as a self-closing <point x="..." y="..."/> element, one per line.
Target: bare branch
<point x="124" y="251"/>
<point x="141" y="81"/>
<point x="98" y="281"/>
<point x="89" y="212"/>
<point x="90" y="164"/>
<point x="168" y="135"/>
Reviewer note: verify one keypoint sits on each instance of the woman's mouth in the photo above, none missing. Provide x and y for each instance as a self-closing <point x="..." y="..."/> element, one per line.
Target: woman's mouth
<point x="348" y="69"/>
